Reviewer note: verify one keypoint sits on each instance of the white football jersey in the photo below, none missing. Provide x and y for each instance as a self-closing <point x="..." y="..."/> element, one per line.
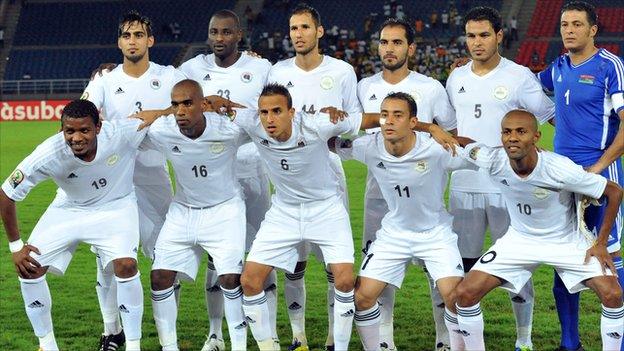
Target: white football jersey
<point x="481" y="102"/>
<point x="242" y="82"/>
<point x="119" y="95"/>
<point x="332" y="83"/>
<point x="299" y="168"/>
<point x="541" y="204"/>
<point x="430" y="96"/>
<point x="82" y="184"/>
<point x="204" y="167"/>
<point x="413" y="185"/>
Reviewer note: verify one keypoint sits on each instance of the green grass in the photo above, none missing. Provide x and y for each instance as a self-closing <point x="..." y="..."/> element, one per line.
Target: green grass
<point x="77" y="318"/>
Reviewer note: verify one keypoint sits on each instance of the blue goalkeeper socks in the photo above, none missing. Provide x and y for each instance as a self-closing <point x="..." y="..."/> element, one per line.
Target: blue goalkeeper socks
<point x="568" y="311"/>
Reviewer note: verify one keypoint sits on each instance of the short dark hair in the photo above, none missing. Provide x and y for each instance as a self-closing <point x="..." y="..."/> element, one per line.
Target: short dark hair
<point x="273" y="89"/>
<point x="396" y="22"/>
<point x="411" y="103"/>
<point x="227" y="14"/>
<point x="305" y="8"/>
<point x="81" y="109"/>
<point x="484" y="13"/>
<point x="583" y="6"/>
<point x="525" y="113"/>
<point x="193" y="84"/>
<point x="131" y="17"/>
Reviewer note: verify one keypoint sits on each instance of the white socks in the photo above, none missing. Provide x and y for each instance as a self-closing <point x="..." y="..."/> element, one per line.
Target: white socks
<point x="470" y="320"/>
<point x="612" y="327"/>
<point x="38" y="304"/>
<point x="344" y="310"/>
<point x="367" y="323"/>
<point x="257" y="316"/>
<point x="214" y="302"/>
<point x="330" y="307"/>
<point x="270" y="289"/>
<point x="237" y="326"/>
<point x="295" y="295"/>
<point x="456" y="340"/>
<point x="522" y="304"/>
<point x="165" y="315"/>
<point x="386" y="307"/>
<point x="106" y="289"/>
<point x="130" y="300"/>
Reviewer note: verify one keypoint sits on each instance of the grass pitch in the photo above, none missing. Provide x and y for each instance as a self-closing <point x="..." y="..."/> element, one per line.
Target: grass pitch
<point x="77" y="319"/>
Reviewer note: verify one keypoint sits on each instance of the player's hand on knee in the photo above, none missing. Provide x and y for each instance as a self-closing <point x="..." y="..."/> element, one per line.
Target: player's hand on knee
<point x="602" y="255"/>
<point x="25" y="265"/>
<point x="101" y="68"/>
<point x="335" y="115"/>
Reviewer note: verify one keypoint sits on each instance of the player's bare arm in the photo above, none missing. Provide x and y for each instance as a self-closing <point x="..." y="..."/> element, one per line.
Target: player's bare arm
<point x="613" y="195"/>
<point x="25" y="265"/>
<point x="613" y="152"/>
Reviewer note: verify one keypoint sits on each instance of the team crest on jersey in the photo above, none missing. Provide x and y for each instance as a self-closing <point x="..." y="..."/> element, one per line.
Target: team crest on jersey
<point x="416" y="95"/>
<point x="473" y="153"/>
<point x="421" y="166"/>
<point x="112" y="160"/>
<point x="501" y="92"/>
<point x="246" y="77"/>
<point x="85" y="96"/>
<point x="586" y="79"/>
<point x="155" y="84"/>
<point x="217" y="148"/>
<point x="16" y="178"/>
<point x="540" y="193"/>
<point x="327" y="82"/>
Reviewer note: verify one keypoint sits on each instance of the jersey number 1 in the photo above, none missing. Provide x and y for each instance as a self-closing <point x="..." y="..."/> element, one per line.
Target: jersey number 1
<point x="567" y="96"/>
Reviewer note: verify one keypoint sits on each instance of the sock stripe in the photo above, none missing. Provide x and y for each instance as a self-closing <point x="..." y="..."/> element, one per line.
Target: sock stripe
<point x="295" y="275"/>
<point x="451" y="319"/>
<point x="258" y="301"/>
<point x="367" y="316"/>
<point x="345" y="299"/>
<point x="469" y="312"/>
<point x="163" y="295"/>
<point x="232" y="294"/>
<point x="618" y="264"/>
<point x="613" y="314"/>
<point x="330" y="276"/>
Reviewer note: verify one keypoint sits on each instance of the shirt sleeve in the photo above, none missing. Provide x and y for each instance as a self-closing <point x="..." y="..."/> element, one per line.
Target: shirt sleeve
<point x="350" y="125"/>
<point x="246" y="119"/>
<point x="575" y="179"/>
<point x="546" y="78"/>
<point x="482" y="156"/>
<point x="179" y="75"/>
<point x="443" y="112"/>
<point x="353" y="149"/>
<point x="533" y="98"/>
<point x="30" y="172"/>
<point x="459" y="161"/>
<point x="94" y="91"/>
<point x="350" y="103"/>
<point x="615" y="81"/>
<point x="129" y="127"/>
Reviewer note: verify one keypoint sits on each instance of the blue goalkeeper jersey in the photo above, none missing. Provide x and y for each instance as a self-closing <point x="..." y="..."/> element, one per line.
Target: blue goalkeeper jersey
<point x="586" y="104"/>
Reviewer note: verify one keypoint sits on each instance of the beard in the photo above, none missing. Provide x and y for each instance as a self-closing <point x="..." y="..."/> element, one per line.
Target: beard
<point x="135" y="58"/>
<point x="394" y="67"/>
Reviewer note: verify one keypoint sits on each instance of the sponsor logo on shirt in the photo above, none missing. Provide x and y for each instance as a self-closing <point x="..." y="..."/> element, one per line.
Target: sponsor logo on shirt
<point x="381" y="165"/>
<point x="373" y="97"/>
<point x="246" y="77"/>
<point x="72" y="175"/>
<point x="289" y="85"/>
<point x="176" y="150"/>
<point x="504" y="182"/>
<point x="586" y="79"/>
<point x="207" y="76"/>
<point x="461" y="90"/>
<point x="16" y="178"/>
<point x="327" y="82"/>
<point x="119" y="91"/>
<point x="501" y="92"/>
<point x="559" y="79"/>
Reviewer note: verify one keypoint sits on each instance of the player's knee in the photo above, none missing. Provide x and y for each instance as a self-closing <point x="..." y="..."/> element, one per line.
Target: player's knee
<point x="363" y="301"/>
<point x="161" y="279"/>
<point x="125" y="267"/>
<point x="611" y="295"/>
<point x="344" y="284"/>
<point x="230" y="281"/>
<point x="251" y="284"/>
<point x="466" y="295"/>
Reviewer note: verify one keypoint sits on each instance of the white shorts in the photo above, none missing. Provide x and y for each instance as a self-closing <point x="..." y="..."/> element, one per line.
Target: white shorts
<point x="391" y="253"/>
<point x="472" y="214"/>
<point x="188" y="232"/>
<point x="324" y="223"/>
<point x="515" y="256"/>
<point x="336" y="166"/>
<point x="374" y="212"/>
<point x="111" y="229"/>
<point x="257" y="195"/>
<point x="153" y="202"/>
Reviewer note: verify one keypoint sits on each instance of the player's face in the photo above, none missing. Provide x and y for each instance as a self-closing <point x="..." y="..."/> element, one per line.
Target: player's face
<point x="304" y="34"/>
<point x="519" y="136"/>
<point x="481" y="40"/>
<point x="81" y="136"/>
<point x="396" y="122"/>
<point x="223" y="36"/>
<point x="576" y="32"/>
<point x="134" y="41"/>
<point x="394" y="48"/>
<point x="189" y="106"/>
<point x="275" y="116"/>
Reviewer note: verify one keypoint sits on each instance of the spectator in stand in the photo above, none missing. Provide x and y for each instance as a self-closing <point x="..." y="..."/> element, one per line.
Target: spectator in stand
<point x="445" y="19"/>
<point x="514" y="28"/>
<point x="418" y="26"/>
<point x="434" y="19"/>
<point x="400" y="14"/>
<point x="506" y="37"/>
